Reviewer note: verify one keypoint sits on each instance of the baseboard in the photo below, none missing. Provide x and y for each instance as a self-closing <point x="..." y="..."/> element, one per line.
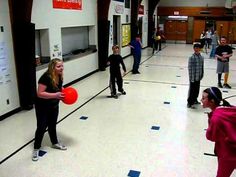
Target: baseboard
<point x="4" y="116"/>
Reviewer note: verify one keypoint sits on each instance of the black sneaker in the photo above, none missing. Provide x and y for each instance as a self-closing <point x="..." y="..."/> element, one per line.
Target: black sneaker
<point x="114" y="96"/>
<point x="220" y="85"/>
<point x="135" y="72"/>
<point x="227" y="86"/>
<point x="190" y="106"/>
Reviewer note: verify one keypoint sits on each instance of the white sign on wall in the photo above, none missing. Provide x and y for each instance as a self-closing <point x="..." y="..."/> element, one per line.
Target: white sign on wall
<point x="119" y="9"/>
<point x="4" y="65"/>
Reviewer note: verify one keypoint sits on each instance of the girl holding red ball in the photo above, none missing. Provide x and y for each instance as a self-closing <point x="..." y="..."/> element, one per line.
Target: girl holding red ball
<point x="47" y="105"/>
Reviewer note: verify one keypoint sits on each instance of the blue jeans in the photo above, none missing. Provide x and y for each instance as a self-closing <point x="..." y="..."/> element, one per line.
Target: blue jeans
<point x="213" y="50"/>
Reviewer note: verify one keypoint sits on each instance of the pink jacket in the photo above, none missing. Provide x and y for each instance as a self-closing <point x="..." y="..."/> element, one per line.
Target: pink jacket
<point x="222" y="130"/>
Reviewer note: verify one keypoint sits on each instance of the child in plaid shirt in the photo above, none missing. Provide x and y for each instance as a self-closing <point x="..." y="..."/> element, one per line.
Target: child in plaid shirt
<point x="196" y="72"/>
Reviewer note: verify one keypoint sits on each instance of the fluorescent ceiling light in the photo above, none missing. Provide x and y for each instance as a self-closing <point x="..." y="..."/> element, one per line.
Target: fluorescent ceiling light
<point x="178" y="17"/>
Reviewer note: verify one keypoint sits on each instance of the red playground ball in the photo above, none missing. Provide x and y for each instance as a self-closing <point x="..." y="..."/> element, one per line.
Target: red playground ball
<point x="71" y="95"/>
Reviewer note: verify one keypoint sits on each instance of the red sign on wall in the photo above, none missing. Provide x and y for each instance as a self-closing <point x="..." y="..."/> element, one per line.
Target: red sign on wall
<point x="67" y="4"/>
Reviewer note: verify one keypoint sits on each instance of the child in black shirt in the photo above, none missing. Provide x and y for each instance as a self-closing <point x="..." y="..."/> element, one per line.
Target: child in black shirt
<point x="115" y="75"/>
<point x="223" y="53"/>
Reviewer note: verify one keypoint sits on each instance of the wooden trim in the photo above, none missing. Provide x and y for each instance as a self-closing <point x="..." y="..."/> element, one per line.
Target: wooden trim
<point x="103" y="32"/>
<point x="20" y="10"/>
<point x="193" y="11"/>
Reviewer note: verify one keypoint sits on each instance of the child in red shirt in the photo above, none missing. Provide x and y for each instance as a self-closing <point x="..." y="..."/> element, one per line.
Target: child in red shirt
<point x="221" y="130"/>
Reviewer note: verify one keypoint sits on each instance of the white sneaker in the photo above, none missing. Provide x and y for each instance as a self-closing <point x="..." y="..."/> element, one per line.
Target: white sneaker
<point x="59" y="146"/>
<point x="35" y="155"/>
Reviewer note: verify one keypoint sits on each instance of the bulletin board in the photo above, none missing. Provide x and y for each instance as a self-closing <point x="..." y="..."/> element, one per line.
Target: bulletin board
<point x="126" y="34"/>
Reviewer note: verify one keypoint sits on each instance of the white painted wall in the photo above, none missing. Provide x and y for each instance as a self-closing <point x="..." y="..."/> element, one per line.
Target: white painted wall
<point x="76" y="68"/>
<point x="45" y="17"/>
<point x="125" y="50"/>
<point x="192" y="3"/>
<point x="8" y="81"/>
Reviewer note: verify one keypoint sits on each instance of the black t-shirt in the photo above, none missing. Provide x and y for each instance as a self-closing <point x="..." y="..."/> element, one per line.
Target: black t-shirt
<point x="115" y="61"/>
<point x="47" y="81"/>
<point x="223" y="49"/>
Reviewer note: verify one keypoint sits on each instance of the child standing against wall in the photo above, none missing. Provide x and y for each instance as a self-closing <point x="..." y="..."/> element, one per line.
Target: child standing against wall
<point x="115" y="74"/>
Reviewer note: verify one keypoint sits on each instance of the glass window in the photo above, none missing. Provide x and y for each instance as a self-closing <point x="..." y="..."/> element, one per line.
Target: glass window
<point x="42" y="54"/>
<point x="127" y="3"/>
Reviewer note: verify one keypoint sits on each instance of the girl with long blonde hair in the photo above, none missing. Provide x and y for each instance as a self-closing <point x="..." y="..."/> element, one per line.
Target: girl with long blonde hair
<point x="47" y="105"/>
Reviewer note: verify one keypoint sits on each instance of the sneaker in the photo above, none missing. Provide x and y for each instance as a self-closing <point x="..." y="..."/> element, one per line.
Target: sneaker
<point x="190" y="106"/>
<point x="135" y="72"/>
<point x="220" y="85"/>
<point x="115" y="96"/>
<point x="123" y="92"/>
<point x="35" y="155"/>
<point x="227" y="86"/>
<point x="59" y="146"/>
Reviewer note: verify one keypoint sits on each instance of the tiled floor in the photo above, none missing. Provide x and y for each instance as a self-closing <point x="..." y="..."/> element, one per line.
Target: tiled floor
<point x="147" y="133"/>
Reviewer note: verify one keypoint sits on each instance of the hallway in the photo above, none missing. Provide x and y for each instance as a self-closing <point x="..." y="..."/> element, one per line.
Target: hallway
<point x="147" y="133"/>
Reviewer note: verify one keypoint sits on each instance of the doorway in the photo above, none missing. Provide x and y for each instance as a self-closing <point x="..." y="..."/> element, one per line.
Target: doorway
<point x="140" y="26"/>
<point x="116" y="30"/>
<point x="210" y="24"/>
<point x="176" y="31"/>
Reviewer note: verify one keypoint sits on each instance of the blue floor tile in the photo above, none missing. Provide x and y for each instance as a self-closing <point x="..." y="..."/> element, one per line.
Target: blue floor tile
<point x="83" y="117"/>
<point x="133" y="173"/>
<point x="155" y="128"/>
<point x="42" y="153"/>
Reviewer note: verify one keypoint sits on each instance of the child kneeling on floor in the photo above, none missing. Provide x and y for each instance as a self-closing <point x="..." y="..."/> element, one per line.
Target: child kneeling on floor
<point x="221" y="129"/>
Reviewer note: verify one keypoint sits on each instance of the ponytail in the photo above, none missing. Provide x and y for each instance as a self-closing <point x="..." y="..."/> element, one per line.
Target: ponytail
<point x="225" y="103"/>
